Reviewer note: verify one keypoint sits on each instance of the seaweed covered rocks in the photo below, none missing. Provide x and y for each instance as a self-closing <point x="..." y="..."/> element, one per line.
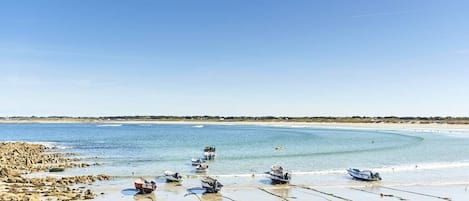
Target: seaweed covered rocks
<point x="18" y="159"/>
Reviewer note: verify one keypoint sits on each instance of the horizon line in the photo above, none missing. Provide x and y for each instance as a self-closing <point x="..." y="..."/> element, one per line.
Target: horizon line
<point x="230" y="116"/>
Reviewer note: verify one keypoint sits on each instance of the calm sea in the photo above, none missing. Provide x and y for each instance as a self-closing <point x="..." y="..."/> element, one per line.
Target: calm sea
<point x="150" y="149"/>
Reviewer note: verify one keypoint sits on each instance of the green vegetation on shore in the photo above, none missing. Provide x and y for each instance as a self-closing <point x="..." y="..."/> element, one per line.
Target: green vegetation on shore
<point x="353" y="119"/>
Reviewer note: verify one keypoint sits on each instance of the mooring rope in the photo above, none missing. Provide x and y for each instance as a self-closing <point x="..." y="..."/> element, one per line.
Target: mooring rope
<point x="380" y="194"/>
<point x="282" y="197"/>
<point x="417" y="193"/>
<point x="228" y="198"/>
<point x="322" y="192"/>
<point x="193" y="194"/>
<point x="309" y="193"/>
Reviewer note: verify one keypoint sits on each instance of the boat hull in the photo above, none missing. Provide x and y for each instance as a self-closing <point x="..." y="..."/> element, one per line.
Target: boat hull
<point x="211" y="185"/>
<point x="209" y="155"/>
<point x="201" y="168"/>
<point x="144" y="187"/>
<point x="196" y="162"/>
<point x="278" y="175"/>
<point x="171" y="176"/>
<point x="363" y="175"/>
<point x="173" y="179"/>
<point x="278" y="179"/>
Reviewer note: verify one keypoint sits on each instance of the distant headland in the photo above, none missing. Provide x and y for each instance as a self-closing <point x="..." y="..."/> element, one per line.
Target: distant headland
<point x="238" y="119"/>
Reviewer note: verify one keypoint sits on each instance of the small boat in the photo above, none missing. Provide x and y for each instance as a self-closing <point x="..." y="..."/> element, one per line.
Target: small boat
<point x="197" y="161"/>
<point x="201" y="168"/>
<point x="144" y="186"/>
<point x="365" y="175"/>
<point x="172" y="176"/>
<point x="211" y="185"/>
<point x="209" y="152"/>
<point x="278" y="175"/>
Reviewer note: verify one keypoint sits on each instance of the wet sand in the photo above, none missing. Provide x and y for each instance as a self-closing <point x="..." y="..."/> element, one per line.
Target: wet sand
<point x="259" y="188"/>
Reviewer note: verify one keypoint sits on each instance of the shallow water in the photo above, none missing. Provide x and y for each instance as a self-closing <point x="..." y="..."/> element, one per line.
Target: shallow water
<point x="150" y="149"/>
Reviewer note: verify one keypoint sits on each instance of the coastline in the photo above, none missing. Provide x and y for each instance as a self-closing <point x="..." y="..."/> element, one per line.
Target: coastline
<point x="398" y="184"/>
<point x="20" y="161"/>
<point x="397" y="126"/>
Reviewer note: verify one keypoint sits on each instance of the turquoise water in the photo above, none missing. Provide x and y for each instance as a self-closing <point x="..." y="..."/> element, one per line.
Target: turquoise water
<point x="149" y="149"/>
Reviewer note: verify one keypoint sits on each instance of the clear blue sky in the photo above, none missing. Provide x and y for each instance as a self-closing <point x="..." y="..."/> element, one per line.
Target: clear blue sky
<point x="232" y="57"/>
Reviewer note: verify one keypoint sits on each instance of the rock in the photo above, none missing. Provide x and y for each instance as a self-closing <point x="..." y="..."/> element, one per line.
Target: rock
<point x="17" y="158"/>
<point x="57" y="169"/>
<point x="103" y="177"/>
<point x="35" y="197"/>
<point x="89" y="194"/>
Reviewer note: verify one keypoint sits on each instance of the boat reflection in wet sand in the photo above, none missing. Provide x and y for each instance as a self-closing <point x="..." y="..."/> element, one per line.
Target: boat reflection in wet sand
<point x="364" y="175"/>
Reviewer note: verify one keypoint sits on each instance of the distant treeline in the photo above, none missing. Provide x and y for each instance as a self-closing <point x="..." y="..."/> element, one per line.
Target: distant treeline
<point x="352" y="119"/>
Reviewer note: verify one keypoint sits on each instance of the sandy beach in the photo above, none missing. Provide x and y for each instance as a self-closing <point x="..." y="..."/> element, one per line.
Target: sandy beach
<point x="259" y="188"/>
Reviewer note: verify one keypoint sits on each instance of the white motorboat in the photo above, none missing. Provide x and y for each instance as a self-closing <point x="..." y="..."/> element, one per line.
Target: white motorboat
<point x="365" y="175"/>
<point x="209" y="152"/>
<point x="197" y="161"/>
<point x="278" y="175"/>
<point x="201" y="168"/>
<point x="172" y="176"/>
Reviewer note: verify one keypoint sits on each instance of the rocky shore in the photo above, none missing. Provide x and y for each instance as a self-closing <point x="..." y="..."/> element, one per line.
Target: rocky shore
<point x="17" y="159"/>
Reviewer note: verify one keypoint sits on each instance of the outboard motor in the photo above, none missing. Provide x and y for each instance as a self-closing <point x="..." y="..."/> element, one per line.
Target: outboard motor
<point x="287" y="176"/>
<point x="377" y="176"/>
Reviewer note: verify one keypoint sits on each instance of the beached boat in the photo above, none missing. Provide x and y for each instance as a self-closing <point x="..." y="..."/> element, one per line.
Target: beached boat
<point x="278" y="175"/>
<point x="211" y="185"/>
<point x="144" y="186"/>
<point x="209" y="152"/>
<point x="201" y="168"/>
<point x="365" y="175"/>
<point x="172" y="176"/>
<point x="197" y="161"/>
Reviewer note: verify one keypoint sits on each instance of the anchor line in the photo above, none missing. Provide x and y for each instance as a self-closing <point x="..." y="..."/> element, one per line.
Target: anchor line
<point x="417" y="193"/>
<point x="309" y="193"/>
<point x="380" y="194"/>
<point x="193" y="194"/>
<point x="322" y="192"/>
<point x="279" y="196"/>
<point x="228" y="198"/>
